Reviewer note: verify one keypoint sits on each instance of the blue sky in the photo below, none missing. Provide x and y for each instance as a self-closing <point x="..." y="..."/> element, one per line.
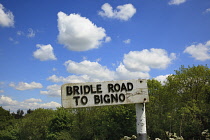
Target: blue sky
<point x="44" y="44"/>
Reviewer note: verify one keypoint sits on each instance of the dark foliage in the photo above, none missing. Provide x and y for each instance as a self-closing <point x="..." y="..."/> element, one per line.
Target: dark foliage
<point x="180" y="105"/>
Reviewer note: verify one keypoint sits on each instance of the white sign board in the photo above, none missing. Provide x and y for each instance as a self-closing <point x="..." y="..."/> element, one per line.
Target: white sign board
<point x="75" y="95"/>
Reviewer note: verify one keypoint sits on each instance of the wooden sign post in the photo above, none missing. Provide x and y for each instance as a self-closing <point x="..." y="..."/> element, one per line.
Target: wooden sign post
<point x="141" y="122"/>
<point x="90" y="94"/>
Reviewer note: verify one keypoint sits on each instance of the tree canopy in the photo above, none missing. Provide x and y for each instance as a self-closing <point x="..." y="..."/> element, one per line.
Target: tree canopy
<point x="180" y="105"/>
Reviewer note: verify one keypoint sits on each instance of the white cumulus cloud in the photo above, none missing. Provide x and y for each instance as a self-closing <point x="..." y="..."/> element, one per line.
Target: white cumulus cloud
<point x="123" y="74"/>
<point x="69" y="79"/>
<point x="78" y="33"/>
<point x="25" y="86"/>
<point x="122" y="12"/>
<point x="9" y="104"/>
<point x="135" y="65"/>
<point x="12" y="40"/>
<point x="176" y="2"/>
<point x="108" y="39"/>
<point x="5" y="101"/>
<point x="128" y="41"/>
<point x="31" y="33"/>
<point x="44" y="52"/>
<point x="87" y="71"/>
<point x="146" y="59"/>
<point x="32" y="100"/>
<point x="200" y="51"/>
<point x="207" y="10"/>
<point x="20" y="33"/>
<point x="52" y="90"/>
<point x="91" y="69"/>
<point x="162" y="78"/>
<point x="6" y="17"/>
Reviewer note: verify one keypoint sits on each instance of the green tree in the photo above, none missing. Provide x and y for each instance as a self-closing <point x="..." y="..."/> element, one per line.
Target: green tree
<point x="35" y="125"/>
<point x="190" y="89"/>
<point x="180" y="105"/>
<point x="5" y="117"/>
<point x="29" y="111"/>
<point x="11" y="132"/>
<point x="156" y="109"/>
<point x="114" y="122"/>
<point x="8" y="129"/>
<point x="61" y="125"/>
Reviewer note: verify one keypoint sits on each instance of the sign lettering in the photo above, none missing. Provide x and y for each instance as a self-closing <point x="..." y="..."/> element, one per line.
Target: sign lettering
<point x="76" y="95"/>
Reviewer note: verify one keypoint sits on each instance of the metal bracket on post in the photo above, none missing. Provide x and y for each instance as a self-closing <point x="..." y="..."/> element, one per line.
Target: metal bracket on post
<point x="141" y="122"/>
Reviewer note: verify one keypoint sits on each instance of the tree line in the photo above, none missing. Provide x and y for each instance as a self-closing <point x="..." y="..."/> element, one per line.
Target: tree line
<point x="181" y="105"/>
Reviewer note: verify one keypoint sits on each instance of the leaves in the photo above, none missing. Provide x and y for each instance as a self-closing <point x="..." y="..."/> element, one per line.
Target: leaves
<point x="181" y="105"/>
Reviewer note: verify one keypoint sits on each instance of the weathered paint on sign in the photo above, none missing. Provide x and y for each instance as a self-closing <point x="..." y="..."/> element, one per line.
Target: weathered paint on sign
<point x="75" y="95"/>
